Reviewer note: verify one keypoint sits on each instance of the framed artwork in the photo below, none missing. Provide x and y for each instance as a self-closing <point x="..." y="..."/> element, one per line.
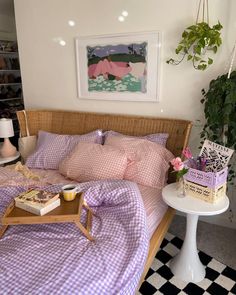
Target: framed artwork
<point x="123" y="67"/>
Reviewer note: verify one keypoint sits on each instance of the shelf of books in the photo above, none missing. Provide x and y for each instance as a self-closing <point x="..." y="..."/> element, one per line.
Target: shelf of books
<point x="11" y="96"/>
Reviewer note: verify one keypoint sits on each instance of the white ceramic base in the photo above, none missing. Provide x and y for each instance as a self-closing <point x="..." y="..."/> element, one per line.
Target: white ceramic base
<point x="187" y="265"/>
<point x="8" y="160"/>
<point x="7" y="149"/>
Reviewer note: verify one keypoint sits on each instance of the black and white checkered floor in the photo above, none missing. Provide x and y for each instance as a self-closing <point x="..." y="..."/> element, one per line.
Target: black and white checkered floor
<point x="220" y="279"/>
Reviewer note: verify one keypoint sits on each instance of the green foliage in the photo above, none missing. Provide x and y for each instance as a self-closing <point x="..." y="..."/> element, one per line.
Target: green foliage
<point x="196" y="41"/>
<point x="181" y="173"/>
<point x="220" y="111"/>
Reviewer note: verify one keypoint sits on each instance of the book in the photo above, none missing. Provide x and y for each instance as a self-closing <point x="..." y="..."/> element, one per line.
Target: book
<point x="37" y="201"/>
<point x="39" y="209"/>
<point x="34" y="196"/>
<point x="217" y="156"/>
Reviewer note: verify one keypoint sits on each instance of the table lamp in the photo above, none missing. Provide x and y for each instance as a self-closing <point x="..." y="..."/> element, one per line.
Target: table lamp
<point x="6" y="130"/>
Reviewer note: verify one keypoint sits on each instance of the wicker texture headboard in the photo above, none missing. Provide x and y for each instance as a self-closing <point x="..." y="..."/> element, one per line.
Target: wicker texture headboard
<point x="69" y="122"/>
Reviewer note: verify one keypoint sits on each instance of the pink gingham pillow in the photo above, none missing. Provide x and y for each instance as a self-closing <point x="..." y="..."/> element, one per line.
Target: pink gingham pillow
<point x="160" y="138"/>
<point x="53" y="148"/>
<point x="149" y="162"/>
<point x="90" y="161"/>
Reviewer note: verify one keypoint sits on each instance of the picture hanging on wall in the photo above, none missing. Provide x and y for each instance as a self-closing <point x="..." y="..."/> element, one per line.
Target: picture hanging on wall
<point x="123" y="67"/>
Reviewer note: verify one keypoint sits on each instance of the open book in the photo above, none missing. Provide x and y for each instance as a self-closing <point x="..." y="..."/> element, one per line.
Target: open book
<point x="37" y="201"/>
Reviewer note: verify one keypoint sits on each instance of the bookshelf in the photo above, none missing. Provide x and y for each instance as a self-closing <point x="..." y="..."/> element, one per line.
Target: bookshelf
<point x="11" y="96"/>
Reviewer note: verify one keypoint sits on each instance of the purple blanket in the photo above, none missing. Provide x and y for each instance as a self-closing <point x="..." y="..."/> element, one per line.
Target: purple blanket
<point x="58" y="259"/>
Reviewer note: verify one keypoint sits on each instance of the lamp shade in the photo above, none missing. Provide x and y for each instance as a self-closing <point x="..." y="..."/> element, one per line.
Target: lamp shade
<point x="6" y="128"/>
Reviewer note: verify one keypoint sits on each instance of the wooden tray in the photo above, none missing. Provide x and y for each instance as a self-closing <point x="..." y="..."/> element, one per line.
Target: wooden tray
<point x="66" y="212"/>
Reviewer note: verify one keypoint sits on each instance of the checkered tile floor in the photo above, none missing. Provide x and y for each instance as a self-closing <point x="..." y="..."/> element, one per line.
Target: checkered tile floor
<point x="220" y="279"/>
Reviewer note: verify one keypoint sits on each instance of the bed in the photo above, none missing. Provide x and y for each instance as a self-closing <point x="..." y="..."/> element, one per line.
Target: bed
<point x="68" y="122"/>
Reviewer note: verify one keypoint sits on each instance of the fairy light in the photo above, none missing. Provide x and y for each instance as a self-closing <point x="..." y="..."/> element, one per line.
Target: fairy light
<point x="71" y="23"/>
<point x="62" y="42"/>
<point x="125" y="13"/>
<point x="121" y="18"/>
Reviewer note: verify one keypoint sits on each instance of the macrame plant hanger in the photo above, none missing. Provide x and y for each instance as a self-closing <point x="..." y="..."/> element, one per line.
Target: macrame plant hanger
<point x="225" y="129"/>
<point x="232" y="58"/>
<point x="203" y="5"/>
<point x="203" y="10"/>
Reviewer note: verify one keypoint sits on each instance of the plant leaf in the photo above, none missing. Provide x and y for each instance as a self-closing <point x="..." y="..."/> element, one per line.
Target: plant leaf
<point x="184" y="34"/>
<point x="197" y="50"/>
<point x="178" y="49"/>
<point x="210" y="61"/>
<point x="214" y="48"/>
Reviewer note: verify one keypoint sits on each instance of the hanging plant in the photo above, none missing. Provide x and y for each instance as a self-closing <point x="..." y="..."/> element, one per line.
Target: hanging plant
<point x="198" y="40"/>
<point x="220" y="110"/>
<point x="220" y="113"/>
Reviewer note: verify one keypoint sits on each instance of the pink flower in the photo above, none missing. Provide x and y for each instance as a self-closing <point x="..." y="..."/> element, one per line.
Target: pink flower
<point x="177" y="164"/>
<point x="187" y="153"/>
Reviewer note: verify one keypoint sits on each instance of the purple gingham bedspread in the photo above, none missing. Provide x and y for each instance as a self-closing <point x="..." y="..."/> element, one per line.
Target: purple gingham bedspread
<point x="58" y="259"/>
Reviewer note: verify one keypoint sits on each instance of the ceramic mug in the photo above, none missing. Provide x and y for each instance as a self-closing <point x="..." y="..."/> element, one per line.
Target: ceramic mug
<point x="69" y="192"/>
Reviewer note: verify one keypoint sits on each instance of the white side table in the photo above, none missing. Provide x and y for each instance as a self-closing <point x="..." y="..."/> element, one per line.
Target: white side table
<point x="186" y="265"/>
<point x="10" y="159"/>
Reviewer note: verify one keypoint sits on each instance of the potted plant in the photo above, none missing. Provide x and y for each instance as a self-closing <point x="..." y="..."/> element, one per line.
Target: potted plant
<point x="197" y="41"/>
<point x="220" y="112"/>
<point x="220" y="109"/>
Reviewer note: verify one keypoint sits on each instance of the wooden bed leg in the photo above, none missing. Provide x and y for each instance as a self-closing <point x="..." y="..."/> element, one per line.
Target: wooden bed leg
<point x="2" y="230"/>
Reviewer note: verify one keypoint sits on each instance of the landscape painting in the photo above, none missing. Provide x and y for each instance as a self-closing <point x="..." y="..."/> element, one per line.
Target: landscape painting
<point x="121" y="67"/>
<point x="124" y="67"/>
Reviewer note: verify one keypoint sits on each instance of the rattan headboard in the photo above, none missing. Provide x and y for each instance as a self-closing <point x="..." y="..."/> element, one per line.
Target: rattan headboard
<point x="68" y="122"/>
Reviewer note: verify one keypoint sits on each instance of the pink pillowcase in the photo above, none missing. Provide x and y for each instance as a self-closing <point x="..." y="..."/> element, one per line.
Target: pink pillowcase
<point x="149" y="162"/>
<point x="53" y="148"/>
<point x="90" y="161"/>
<point x="160" y="138"/>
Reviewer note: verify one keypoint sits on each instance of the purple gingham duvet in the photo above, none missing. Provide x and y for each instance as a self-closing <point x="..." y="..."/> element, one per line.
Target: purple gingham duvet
<point x="58" y="259"/>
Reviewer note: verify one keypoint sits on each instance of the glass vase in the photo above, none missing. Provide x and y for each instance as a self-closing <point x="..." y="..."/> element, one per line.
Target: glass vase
<point x="180" y="188"/>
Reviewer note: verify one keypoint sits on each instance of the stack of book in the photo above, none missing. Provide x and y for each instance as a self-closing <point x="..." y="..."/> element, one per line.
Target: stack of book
<point x="37" y="201"/>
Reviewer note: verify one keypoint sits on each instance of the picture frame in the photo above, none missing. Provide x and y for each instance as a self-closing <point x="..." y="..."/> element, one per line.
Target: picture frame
<point x="124" y="67"/>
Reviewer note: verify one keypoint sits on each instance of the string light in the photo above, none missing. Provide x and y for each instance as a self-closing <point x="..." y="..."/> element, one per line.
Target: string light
<point x="62" y="42"/>
<point x="121" y="18"/>
<point x="71" y="23"/>
<point x="125" y="13"/>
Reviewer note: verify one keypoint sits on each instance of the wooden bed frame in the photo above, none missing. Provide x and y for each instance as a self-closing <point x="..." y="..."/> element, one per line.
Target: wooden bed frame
<point x="69" y="122"/>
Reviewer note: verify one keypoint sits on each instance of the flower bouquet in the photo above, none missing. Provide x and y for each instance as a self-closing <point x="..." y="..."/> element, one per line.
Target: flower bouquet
<point x="180" y="169"/>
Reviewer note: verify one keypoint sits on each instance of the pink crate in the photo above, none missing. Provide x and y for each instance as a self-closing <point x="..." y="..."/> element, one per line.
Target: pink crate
<point x="209" y="179"/>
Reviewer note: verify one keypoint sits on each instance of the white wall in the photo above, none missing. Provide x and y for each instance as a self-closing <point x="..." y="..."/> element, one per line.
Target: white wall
<point x="49" y="72"/>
